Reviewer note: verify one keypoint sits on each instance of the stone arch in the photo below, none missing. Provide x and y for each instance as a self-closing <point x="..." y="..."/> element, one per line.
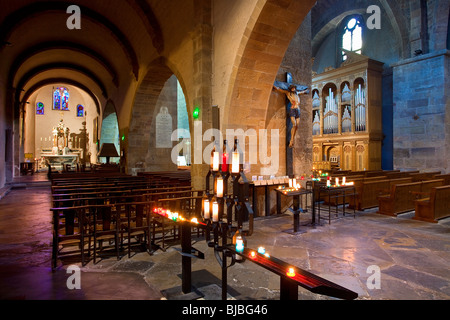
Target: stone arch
<point x="109" y="132"/>
<point x="140" y="140"/>
<point x="23" y="14"/>
<point x="262" y="53"/>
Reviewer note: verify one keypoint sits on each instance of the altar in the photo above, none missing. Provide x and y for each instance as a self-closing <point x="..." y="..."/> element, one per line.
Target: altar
<point x="60" y="155"/>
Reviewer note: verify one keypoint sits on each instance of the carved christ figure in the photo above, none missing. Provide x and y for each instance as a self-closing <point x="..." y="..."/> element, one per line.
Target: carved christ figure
<point x="294" y="97"/>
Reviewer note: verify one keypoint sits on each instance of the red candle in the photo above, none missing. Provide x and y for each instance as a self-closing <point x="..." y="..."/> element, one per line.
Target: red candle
<point x="225" y="162"/>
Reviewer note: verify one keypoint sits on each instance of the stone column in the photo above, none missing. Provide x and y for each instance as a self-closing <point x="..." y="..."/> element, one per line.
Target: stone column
<point x="202" y="89"/>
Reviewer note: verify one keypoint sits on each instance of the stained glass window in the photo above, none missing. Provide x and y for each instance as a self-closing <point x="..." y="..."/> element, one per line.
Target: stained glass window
<point x="61" y="99"/>
<point x="352" y="37"/>
<point x="80" y="111"/>
<point x="40" y="108"/>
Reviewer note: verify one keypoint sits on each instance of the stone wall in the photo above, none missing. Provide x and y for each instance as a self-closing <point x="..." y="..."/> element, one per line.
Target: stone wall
<point x="421" y="111"/>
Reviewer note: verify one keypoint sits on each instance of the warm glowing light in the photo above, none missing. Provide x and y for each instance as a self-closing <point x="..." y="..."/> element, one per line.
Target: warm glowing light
<point x="175" y="216"/>
<point x="266" y="255"/>
<point x="216" y="161"/>
<point x="261" y="250"/>
<point x="219" y="182"/>
<point x="215" y="211"/>
<point x="206" y="213"/>
<point x="337" y="182"/>
<point x="344" y="180"/>
<point x="290" y="183"/>
<point x="291" y="272"/>
<point x="235" y="163"/>
<point x="224" y="162"/>
<point x="253" y="255"/>
<point x="328" y="183"/>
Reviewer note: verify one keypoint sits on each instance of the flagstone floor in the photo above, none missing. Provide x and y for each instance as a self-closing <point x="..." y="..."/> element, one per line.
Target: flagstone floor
<point x="413" y="258"/>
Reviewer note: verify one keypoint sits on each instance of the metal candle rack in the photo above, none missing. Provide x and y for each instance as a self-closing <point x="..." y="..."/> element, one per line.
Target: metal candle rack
<point x="221" y="204"/>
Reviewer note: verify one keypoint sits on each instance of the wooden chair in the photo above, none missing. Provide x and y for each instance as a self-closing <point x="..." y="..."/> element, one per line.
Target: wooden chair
<point x="435" y="207"/>
<point x="106" y="228"/>
<point x="138" y="227"/>
<point x="71" y="229"/>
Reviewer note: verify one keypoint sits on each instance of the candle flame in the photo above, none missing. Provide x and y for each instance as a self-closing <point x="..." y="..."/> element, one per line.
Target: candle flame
<point x="291" y="272"/>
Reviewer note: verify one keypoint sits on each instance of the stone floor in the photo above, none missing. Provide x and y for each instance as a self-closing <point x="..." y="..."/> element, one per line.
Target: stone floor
<point x="413" y="258"/>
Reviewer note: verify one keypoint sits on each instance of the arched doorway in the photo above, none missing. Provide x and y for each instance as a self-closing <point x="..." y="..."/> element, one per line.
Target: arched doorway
<point x="59" y="125"/>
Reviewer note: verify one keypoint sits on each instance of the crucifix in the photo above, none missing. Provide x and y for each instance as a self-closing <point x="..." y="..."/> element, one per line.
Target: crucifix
<point x="293" y="92"/>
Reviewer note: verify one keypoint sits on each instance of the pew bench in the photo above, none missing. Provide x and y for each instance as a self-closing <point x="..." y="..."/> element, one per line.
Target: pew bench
<point x="401" y="197"/>
<point x="399" y="200"/>
<point x="435" y="207"/>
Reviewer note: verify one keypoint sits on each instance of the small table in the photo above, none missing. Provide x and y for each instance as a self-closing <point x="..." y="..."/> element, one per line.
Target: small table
<point x="266" y="195"/>
<point x="297" y="209"/>
<point x="337" y="192"/>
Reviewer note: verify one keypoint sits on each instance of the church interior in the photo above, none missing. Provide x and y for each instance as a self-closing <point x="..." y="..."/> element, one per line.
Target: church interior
<point x="118" y="109"/>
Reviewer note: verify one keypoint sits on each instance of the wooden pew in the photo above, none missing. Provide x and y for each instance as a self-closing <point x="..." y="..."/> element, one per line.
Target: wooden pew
<point x="358" y="182"/>
<point x="446" y="178"/>
<point x="369" y="190"/>
<point x="402" y="196"/>
<point x="427" y="185"/>
<point x="400" y="199"/>
<point x="435" y="207"/>
<point x="423" y="175"/>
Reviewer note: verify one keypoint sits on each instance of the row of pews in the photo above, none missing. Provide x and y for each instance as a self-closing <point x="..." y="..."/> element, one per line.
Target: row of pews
<point x="396" y="192"/>
<point x="96" y="214"/>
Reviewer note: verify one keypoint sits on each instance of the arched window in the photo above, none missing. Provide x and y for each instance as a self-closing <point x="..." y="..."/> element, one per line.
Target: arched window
<point x="80" y="111"/>
<point x="61" y="99"/>
<point x="40" y="108"/>
<point x="352" y="37"/>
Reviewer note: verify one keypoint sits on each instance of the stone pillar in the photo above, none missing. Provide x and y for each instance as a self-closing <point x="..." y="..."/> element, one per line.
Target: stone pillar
<point x="202" y="89"/>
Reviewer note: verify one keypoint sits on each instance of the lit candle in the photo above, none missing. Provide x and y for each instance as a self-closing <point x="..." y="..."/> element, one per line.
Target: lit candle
<point x="206" y="214"/>
<point x="215" y="211"/>
<point x="219" y="182"/>
<point x="290" y="183"/>
<point x="344" y="181"/>
<point x="337" y="181"/>
<point x="216" y="161"/>
<point x="290" y="273"/>
<point x="225" y="162"/>
<point x="328" y="183"/>
<point x="294" y="183"/>
<point x="239" y="244"/>
<point x="235" y="163"/>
